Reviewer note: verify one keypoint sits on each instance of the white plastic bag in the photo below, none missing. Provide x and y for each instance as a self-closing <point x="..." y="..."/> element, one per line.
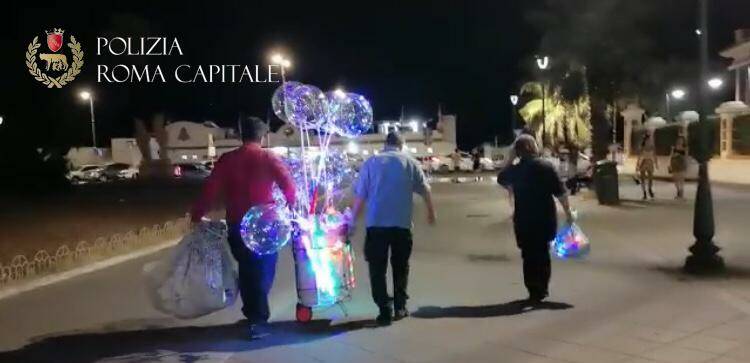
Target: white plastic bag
<point x="198" y="278"/>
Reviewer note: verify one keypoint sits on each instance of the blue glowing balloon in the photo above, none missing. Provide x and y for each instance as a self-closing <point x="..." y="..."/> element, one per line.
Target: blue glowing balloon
<point x="349" y="114"/>
<point x="305" y="106"/>
<point x="278" y="101"/>
<point x="265" y="229"/>
<point x="570" y="242"/>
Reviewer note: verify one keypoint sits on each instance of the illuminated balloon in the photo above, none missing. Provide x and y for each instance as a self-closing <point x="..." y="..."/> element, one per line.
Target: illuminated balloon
<point x="265" y="229"/>
<point x="349" y="114"/>
<point x="278" y="100"/>
<point x="304" y="105"/>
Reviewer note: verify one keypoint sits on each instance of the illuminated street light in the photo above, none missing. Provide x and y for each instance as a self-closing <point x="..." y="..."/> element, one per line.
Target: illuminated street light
<point x="514" y="99"/>
<point x="86" y="95"/>
<point x="715" y="83"/>
<point x="678" y="94"/>
<point x="285" y="63"/>
<point x="339" y="93"/>
<point x="543" y="63"/>
<point x="1" y="120"/>
<point x="698" y="32"/>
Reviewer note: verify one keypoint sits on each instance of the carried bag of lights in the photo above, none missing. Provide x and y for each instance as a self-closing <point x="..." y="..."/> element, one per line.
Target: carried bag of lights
<point x="570" y="242"/>
<point x="198" y="277"/>
<point x="323" y="175"/>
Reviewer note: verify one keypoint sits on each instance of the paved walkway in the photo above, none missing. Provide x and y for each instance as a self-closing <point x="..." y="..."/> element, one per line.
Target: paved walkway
<point x="626" y="303"/>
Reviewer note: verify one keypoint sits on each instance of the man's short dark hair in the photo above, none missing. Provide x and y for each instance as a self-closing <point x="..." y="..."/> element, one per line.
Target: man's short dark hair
<point x="253" y="129"/>
<point x="394" y="139"/>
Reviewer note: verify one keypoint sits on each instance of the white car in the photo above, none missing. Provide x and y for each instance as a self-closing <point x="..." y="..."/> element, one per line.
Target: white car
<point x="86" y="173"/>
<point x="466" y="163"/>
<point x="118" y="171"/>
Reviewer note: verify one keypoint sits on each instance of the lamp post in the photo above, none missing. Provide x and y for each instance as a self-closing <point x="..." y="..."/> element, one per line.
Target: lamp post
<point x="285" y="63"/>
<point x="677" y="94"/>
<point x="514" y="102"/>
<point x="704" y="257"/>
<point x="86" y="95"/>
<point x="543" y="63"/>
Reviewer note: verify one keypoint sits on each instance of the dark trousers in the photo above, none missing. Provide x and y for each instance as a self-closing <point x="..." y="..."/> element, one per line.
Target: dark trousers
<point x="378" y="242"/>
<point x="536" y="266"/>
<point x="256" y="278"/>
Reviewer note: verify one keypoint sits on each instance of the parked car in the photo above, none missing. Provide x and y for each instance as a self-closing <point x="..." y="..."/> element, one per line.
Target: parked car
<point x="445" y="163"/>
<point x="86" y="174"/>
<point x="191" y="171"/>
<point x="429" y="162"/>
<point x="119" y="171"/>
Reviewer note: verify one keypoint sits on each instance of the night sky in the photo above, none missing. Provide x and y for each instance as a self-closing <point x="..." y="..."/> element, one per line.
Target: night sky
<point x="467" y="56"/>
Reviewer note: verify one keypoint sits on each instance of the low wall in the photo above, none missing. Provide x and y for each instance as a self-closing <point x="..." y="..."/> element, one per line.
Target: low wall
<point x="24" y="268"/>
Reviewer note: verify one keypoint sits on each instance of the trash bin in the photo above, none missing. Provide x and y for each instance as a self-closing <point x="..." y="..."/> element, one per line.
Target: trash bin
<point x="606" y="183"/>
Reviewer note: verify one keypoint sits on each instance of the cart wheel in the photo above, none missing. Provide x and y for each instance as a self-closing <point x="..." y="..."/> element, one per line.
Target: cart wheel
<point x="304" y="313"/>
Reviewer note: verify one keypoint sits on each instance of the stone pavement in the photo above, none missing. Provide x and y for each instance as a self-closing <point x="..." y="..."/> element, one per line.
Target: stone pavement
<point x="627" y="302"/>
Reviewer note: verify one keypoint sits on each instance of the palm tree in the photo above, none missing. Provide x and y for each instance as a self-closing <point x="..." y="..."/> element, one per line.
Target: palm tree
<point x="567" y="119"/>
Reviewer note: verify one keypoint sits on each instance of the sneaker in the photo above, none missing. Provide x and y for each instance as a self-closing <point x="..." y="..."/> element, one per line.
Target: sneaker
<point x="651" y="193"/>
<point x="385" y="317"/>
<point x="400" y="314"/>
<point x="255" y="333"/>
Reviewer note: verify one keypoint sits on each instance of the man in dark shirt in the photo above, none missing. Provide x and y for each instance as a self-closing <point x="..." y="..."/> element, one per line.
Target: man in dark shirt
<point x="534" y="184"/>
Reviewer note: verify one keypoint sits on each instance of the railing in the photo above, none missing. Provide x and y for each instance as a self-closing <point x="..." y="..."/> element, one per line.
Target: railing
<point x="23" y="268"/>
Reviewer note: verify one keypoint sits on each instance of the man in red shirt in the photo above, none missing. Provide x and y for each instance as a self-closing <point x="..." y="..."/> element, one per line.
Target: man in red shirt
<point x="244" y="178"/>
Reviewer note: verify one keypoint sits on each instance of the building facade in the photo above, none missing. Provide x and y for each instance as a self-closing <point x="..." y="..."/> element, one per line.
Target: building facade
<point x="739" y="53"/>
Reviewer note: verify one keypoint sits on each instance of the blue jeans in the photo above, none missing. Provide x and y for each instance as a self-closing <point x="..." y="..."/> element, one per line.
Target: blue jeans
<point x="256" y="277"/>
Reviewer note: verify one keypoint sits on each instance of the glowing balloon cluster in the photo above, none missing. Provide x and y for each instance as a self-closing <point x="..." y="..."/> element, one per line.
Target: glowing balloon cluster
<point x="570" y="242"/>
<point x="322" y="177"/>
<point x="300" y="104"/>
<point x="265" y="229"/>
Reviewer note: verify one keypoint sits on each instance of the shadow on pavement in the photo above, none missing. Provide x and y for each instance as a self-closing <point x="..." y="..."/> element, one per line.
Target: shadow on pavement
<point x="188" y="343"/>
<point x="729" y="273"/>
<point x="488" y="258"/>
<point x="485" y="311"/>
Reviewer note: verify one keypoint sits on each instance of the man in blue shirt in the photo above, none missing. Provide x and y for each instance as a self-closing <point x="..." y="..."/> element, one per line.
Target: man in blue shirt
<point x="386" y="184"/>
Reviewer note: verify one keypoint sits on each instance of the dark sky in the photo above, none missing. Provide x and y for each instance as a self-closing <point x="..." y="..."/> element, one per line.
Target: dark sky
<point x="465" y="55"/>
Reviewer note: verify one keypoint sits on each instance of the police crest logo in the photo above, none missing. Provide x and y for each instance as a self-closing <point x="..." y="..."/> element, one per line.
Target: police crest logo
<point x="54" y="69"/>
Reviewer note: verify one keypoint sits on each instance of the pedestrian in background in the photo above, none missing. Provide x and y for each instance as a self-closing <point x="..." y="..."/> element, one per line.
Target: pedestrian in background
<point x="647" y="164"/>
<point x="244" y="178"/>
<point x="534" y="184"/>
<point x="456" y="160"/>
<point x="385" y="185"/>
<point x="678" y="165"/>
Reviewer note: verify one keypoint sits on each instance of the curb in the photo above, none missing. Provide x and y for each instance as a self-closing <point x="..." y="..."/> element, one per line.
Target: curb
<point x="78" y="271"/>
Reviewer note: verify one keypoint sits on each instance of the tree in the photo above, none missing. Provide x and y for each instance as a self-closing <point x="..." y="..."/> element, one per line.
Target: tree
<point x="616" y="41"/>
<point x="566" y="111"/>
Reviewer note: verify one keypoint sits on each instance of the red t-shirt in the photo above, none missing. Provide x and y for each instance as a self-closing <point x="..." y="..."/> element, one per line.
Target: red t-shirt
<point x="245" y="177"/>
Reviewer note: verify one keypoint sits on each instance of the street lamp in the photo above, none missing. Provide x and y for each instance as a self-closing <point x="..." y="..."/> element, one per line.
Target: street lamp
<point x="514" y="102"/>
<point x="285" y="63"/>
<point x="677" y="94"/>
<point x="86" y="95"/>
<point x="543" y="63"/>
<point x="704" y="257"/>
<point x="1" y="120"/>
<point x="715" y="83"/>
